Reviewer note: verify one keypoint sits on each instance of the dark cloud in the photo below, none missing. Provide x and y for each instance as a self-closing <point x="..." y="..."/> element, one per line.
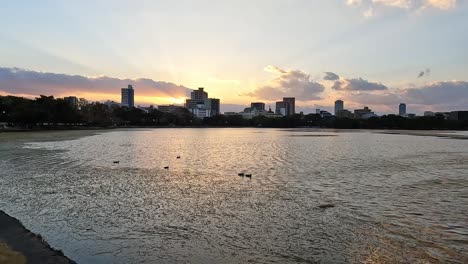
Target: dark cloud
<point x="386" y="98"/>
<point x="439" y="96"/>
<point x="293" y="83"/>
<point x="20" y="81"/>
<point x="330" y="76"/>
<point x="358" y="85"/>
<point x="439" y="93"/>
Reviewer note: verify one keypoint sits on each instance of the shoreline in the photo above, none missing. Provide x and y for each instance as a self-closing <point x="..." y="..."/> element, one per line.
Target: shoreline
<point x="396" y="130"/>
<point x="31" y="246"/>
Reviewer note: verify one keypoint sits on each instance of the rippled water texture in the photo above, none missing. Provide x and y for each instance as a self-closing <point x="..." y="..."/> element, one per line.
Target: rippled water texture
<point x="397" y="197"/>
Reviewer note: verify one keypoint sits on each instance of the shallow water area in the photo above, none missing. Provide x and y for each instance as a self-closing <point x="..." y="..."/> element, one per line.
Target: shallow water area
<point x="396" y="197"/>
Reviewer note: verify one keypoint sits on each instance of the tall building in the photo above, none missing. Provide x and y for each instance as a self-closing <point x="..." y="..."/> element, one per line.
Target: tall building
<point x="402" y="109"/>
<point x="339" y="106"/>
<point x="282" y="108"/>
<point x="201" y="106"/>
<point x="214" y="106"/>
<point x="291" y="105"/>
<point x="257" y="106"/>
<point x="128" y="97"/>
<point x="72" y="100"/>
<point x="199" y="94"/>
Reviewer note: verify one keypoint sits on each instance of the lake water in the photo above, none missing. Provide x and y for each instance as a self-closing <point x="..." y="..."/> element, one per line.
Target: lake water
<point x="397" y="197"/>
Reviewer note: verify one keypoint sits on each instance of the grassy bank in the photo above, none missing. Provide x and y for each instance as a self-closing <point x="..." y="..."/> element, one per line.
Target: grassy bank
<point x="19" y="245"/>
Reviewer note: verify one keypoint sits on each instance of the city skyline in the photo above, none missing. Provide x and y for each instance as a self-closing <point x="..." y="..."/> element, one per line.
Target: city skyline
<point x="239" y="56"/>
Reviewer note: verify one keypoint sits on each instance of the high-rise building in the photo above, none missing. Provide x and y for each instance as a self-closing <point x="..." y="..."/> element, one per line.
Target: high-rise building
<point x="282" y="108"/>
<point x="72" y="100"/>
<point x="128" y="97"/>
<point x="257" y="106"/>
<point x="291" y="105"/>
<point x="214" y="106"/>
<point x="402" y="109"/>
<point x="199" y="94"/>
<point x="339" y="106"/>
<point x="202" y="106"/>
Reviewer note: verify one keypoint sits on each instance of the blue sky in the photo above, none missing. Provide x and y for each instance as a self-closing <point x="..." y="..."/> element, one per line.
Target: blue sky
<point x="225" y="46"/>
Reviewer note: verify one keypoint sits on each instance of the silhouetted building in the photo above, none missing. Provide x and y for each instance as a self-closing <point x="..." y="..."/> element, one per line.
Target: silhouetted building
<point x="202" y="106"/>
<point x="128" y="97"/>
<point x="111" y="104"/>
<point x="402" y="109"/>
<point x="199" y="94"/>
<point x="72" y="100"/>
<point x="291" y="105"/>
<point x="282" y="108"/>
<point x="360" y="113"/>
<point x="459" y="115"/>
<point x="324" y="113"/>
<point x="167" y="108"/>
<point x="215" y="106"/>
<point x="339" y="105"/>
<point x="446" y="115"/>
<point x="429" y="113"/>
<point x="258" y="106"/>
<point x="343" y="113"/>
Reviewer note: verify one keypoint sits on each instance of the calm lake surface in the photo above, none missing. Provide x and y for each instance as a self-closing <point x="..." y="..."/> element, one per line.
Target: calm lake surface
<point x="397" y="197"/>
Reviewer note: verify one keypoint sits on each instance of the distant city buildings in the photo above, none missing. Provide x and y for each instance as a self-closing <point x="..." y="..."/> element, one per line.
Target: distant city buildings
<point x="286" y="107"/>
<point x="257" y="106"/>
<point x="291" y="101"/>
<point x="201" y="106"/>
<point x="111" y="104"/>
<point x="255" y="109"/>
<point x="215" y="106"/>
<point x="324" y="113"/>
<point x="281" y="108"/>
<point x="128" y="97"/>
<point x="364" y="113"/>
<point x="340" y="112"/>
<point x="344" y="114"/>
<point x="402" y="109"/>
<point x="459" y="115"/>
<point x="167" y="108"/>
<point x="72" y="100"/>
<point x="339" y="106"/>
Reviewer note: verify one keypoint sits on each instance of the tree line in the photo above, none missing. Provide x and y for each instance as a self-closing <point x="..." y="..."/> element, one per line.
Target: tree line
<point x="50" y="112"/>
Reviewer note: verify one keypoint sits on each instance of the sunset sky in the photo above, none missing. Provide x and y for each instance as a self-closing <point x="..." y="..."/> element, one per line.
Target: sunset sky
<point x="366" y="52"/>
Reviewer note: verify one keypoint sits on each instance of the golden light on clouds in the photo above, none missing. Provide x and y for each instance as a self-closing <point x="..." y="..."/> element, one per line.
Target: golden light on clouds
<point x="443" y="4"/>
<point x="177" y="101"/>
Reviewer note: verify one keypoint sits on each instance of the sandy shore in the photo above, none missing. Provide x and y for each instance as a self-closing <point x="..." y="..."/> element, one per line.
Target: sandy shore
<point x="19" y="245"/>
